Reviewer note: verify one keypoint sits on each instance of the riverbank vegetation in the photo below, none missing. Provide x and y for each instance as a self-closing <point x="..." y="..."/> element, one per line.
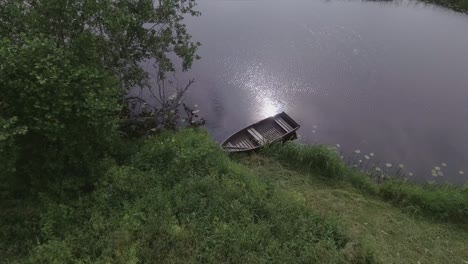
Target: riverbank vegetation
<point x="445" y="202"/>
<point x="177" y="197"/>
<point x="82" y="180"/>
<point x="459" y="5"/>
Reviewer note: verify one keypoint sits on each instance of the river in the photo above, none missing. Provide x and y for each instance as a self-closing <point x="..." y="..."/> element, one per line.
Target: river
<point x="389" y="78"/>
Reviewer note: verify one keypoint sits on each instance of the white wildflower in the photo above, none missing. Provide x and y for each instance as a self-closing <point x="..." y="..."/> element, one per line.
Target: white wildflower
<point x="338" y="145"/>
<point x="437" y="168"/>
<point x="444" y="164"/>
<point x="461" y="172"/>
<point x="196" y="111"/>
<point x="378" y="169"/>
<point x="360" y="161"/>
<point x="434" y="173"/>
<point x="410" y="174"/>
<point x="440" y="173"/>
<point x="371" y="154"/>
<point x="388" y="165"/>
<point x="401" y="166"/>
<point x="366" y="157"/>
<point x="357" y="151"/>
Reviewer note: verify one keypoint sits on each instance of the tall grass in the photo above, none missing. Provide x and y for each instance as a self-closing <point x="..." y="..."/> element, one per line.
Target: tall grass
<point x="436" y="201"/>
<point x="179" y="199"/>
<point x="318" y="158"/>
<point x="459" y="5"/>
<point x="440" y="201"/>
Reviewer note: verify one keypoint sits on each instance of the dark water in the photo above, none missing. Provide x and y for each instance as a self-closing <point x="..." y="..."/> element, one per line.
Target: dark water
<point x="384" y="77"/>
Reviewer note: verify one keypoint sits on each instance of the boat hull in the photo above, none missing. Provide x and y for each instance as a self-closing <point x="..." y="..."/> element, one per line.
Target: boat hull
<point x="280" y="127"/>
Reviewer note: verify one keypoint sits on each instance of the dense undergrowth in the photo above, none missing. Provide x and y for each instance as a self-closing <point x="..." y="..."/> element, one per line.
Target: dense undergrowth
<point x="444" y="202"/>
<point x="173" y="198"/>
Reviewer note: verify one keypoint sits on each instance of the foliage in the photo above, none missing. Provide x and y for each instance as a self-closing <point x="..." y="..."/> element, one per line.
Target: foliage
<point x="60" y="114"/>
<point x="64" y="67"/>
<point x="180" y="199"/>
<point x="309" y="158"/>
<point x="118" y="34"/>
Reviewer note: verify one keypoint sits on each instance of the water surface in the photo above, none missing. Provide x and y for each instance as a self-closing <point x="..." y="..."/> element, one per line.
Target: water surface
<point x="384" y="77"/>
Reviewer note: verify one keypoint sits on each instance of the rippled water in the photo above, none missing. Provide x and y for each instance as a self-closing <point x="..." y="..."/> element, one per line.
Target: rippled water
<point x="383" y="77"/>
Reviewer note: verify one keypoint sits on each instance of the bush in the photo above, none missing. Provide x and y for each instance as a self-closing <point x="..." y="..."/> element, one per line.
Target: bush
<point x="319" y="159"/>
<point x="188" y="151"/>
<point x="66" y="111"/>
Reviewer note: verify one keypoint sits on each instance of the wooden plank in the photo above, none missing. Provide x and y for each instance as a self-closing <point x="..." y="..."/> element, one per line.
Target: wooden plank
<point x="286" y="124"/>
<point x="260" y="139"/>
<point x="281" y="123"/>
<point x="242" y="144"/>
<point x="246" y="142"/>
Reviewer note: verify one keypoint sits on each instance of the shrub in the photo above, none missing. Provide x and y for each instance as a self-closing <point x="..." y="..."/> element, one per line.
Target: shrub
<point x="66" y="110"/>
<point x="194" y="153"/>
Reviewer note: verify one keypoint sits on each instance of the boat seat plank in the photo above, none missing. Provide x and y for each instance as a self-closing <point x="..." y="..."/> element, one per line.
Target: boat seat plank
<point x="290" y="128"/>
<point x="283" y="124"/>
<point x="259" y="137"/>
<point x="246" y="142"/>
<point x="242" y="144"/>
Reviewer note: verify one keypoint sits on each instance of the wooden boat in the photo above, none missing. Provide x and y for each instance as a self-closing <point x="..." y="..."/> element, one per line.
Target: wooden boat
<point x="280" y="127"/>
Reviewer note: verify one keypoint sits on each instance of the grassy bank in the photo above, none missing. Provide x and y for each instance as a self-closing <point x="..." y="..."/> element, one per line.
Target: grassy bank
<point x="177" y="198"/>
<point x="459" y="5"/>
<point x="394" y="235"/>
<point x="443" y="202"/>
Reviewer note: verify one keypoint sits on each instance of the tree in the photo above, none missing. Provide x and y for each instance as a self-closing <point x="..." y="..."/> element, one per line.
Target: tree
<point x="119" y="34"/>
<point x="59" y="115"/>
<point x="65" y="69"/>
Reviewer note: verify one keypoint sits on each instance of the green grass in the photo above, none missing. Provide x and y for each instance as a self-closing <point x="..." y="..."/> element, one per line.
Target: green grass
<point x="394" y="235"/>
<point x="178" y="198"/>
<point x="443" y="202"/>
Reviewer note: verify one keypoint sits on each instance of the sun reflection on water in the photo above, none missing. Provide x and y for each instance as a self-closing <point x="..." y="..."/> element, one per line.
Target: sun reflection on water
<point x="269" y="107"/>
